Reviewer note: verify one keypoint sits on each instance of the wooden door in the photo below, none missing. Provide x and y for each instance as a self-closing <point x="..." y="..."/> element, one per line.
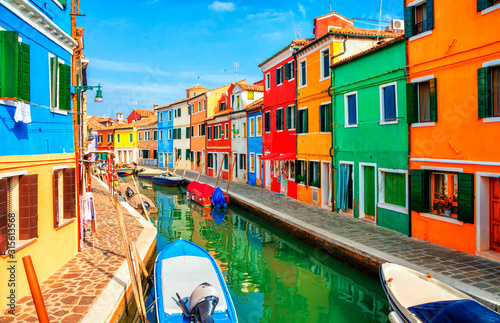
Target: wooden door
<point x="369" y="190"/>
<point x="494" y="214"/>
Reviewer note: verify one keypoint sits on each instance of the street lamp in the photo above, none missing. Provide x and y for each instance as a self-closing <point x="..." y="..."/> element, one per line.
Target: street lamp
<point x="98" y="97"/>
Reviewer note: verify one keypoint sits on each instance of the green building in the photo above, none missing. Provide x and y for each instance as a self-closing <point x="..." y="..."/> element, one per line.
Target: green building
<point x="370" y="137"/>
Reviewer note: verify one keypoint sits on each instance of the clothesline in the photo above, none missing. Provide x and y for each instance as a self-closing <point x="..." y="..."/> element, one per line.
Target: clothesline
<point x="36" y="105"/>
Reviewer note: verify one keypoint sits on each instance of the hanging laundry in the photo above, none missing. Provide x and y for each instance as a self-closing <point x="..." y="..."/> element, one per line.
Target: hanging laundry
<point x="23" y="112"/>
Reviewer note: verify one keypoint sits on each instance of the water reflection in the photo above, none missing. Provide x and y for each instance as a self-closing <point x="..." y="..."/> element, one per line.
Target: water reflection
<point x="272" y="277"/>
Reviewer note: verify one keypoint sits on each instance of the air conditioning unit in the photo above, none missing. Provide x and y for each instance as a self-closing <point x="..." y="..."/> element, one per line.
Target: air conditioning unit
<point x="398" y="24"/>
<point x="315" y="196"/>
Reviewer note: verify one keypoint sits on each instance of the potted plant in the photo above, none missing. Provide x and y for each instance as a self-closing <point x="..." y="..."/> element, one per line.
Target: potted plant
<point x="442" y="203"/>
<point x="447" y="206"/>
<point x="301" y="179"/>
<point x="315" y="182"/>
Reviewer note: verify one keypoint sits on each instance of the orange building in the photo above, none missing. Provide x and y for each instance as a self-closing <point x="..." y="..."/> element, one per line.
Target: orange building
<point x="197" y="108"/>
<point x="454" y="111"/>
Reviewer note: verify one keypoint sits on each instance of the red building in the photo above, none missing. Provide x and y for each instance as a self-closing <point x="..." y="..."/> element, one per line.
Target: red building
<point x="140" y="114"/>
<point x="279" y="143"/>
<point x="219" y="138"/>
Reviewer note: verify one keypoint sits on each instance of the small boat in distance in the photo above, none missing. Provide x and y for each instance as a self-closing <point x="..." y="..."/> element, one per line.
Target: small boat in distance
<point x="419" y="298"/>
<point x="202" y="193"/>
<point x="182" y="269"/>
<point x="150" y="173"/>
<point x="122" y="172"/>
<point x="167" y="180"/>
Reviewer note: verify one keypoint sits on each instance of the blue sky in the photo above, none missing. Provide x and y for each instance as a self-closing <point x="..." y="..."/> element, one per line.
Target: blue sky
<point x="150" y="51"/>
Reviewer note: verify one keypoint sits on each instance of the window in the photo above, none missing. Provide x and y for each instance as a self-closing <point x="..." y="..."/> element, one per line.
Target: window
<point x="291" y="170"/>
<point x="279" y="75"/>
<point x="279" y="119"/>
<point x="110" y="137"/>
<point x="222" y="106"/>
<point x="170" y="115"/>
<point x="250" y="95"/>
<point x="216" y="129"/>
<point x="290" y="117"/>
<point x="325" y="117"/>
<point x="15" y="77"/>
<point x="394" y="188"/>
<point x="204" y="104"/>
<point x="227" y="131"/>
<point x="419" y="18"/>
<point x="244" y="129"/>
<point x="226" y="162"/>
<point x="203" y="129"/>
<point x="489" y="92"/>
<point x="483" y="4"/>
<point x="268" y="81"/>
<point x="188" y="153"/>
<point x="145" y="153"/>
<point x="351" y="109"/>
<point x="289" y="70"/>
<point x="131" y="137"/>
<point x="252" y="162"/>
<point x="300" y="169"/>
<point x="188" y="132"/>
<point x="388" y="104"/>
<point x="267" y="121"/>
<point x="118" y="138"/>
<point x="325" y="63"/>
<point x="199" y="106"/>
<point x="155" y="154"/>
<point x="314" y="174"/>
<point x="60" y="83"/>
<point x="99" y="138"/>
<point x="443" y="193"/>
<point x="210" y="161"/>
<point x="179" y="154"/>
<point x="302" y="123"/>
<point x="169" y="134"/>
<point x="189" y="109"/>
<point x="198" y="158"/>
<point x="232" y="100"/>
<point x="147" y="136"/>
<point x="179" y="112"/>
<point x="209" y="133"/>
<point x="139" y="136"/>
<point x="161" y="116"/>
<point x="302" y="73"/>
<point x="237" y="97"/>
<point x="234" y="131"/>
<point x="259" y="126"/>
<point x="243" y="161"/>
<point x="175" y="113"/>
<point x="251" y="127"/>
<point x="64" y="190"/>
<point x="422" y="101"/>
<point x="155" y="135"/>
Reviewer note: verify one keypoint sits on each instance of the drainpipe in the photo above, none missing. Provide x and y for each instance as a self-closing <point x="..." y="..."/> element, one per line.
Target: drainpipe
<point x="409" y="151"/>
<point x="334" y="134"/>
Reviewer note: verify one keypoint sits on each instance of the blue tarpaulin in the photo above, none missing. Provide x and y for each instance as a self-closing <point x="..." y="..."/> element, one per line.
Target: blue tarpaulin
<point x="462" y="311"/>
<point x="218" y="199"/>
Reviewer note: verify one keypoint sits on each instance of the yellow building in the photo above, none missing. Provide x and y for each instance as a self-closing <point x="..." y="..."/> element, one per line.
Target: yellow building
<point x="335" y="38"/>
<point x="126" y="143"/>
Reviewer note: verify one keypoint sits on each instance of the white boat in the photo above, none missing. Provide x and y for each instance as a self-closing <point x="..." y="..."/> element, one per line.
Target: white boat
<point x="419" y="298"/>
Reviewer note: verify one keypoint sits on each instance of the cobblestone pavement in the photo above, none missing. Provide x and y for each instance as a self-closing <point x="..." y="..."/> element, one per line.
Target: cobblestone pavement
<point x="70" y="291"/>
<point x="475" y="275"/>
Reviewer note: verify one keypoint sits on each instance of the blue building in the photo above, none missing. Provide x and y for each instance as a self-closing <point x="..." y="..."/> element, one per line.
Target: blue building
<point x="166" y="136"/>
<point x="254" y="116"/>
<point x="37" y="160"/>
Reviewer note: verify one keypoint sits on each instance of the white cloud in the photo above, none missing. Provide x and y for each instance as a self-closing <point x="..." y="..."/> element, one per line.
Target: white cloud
<point x="302" y="10"/>
<point x="219" y="6"/>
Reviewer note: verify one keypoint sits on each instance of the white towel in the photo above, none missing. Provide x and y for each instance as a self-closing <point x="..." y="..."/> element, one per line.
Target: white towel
<point x="23" y="112"/>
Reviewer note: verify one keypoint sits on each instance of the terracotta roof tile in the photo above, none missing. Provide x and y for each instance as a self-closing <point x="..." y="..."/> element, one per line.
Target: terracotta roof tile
<point x="94" y="123"/>
<point x="220" y="113"/>
<point x="295" y="42"/>
<point x="251" y="87"/>
<point x="152" y="120"/>
<point x="144" y="113"/>
<point x="384" y="43"/>
<point x="255" y="104"/>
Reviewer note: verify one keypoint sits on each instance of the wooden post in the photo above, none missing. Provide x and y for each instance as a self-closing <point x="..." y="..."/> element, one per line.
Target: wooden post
<point x="220" y="169"/>
<point x="141" y="263"/>
<point x="135" y="289"/>
<point x="185" y="167"/>
<point x="177" y="164"/>
<point x="36" y="293"/>
<point x="231" y="175"/>
<point x="169" y="160"/>
<point x="199" y="174"/>
<point x="146" y="212"/>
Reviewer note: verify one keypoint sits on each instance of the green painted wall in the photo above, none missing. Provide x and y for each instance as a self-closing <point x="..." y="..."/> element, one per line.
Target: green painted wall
<point x="370" y="142"/>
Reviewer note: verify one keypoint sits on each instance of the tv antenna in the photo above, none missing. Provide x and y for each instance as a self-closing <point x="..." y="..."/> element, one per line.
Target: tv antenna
<point x="330" y="6"/>
<point x="379" y="19"/>
<point x="236" y="65"/>
<point x="297" y="34"/>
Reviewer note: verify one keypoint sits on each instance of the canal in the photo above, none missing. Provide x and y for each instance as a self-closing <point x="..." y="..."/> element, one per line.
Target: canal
<point x="272" y="276"/>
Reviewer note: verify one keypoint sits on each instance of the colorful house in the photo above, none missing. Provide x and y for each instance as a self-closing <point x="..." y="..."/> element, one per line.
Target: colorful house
<point x="197" y="107"/>
<point x="370" y="136"/>
<point x="241" y="95"/>
<point x="105" y="142"/>
<point x="94" y="124"/>
<point x="37" y="162"/>
<point x="279" y="138"/>
<point x="125" y="143"/>
<point x="137" y="115"/>
<point x="147" y="132"/>
<point x="219" y="139"/>
<point x="454" y="112"/>
<point x="334" y="41"/>
<point x="166" y="135"/>
<point x="254" y="134"/>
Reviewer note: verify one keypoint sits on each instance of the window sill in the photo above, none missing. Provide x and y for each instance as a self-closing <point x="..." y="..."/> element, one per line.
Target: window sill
<point x="441" y="218"/>
<point x="22" y="244"/>
<point x="423" y="124"/>
<point x="421" y="35"/>
<point x="384" y="123"/>
<point x="351" y="126"/>
<point x="325" y="78"/>
<point x="302" y="86"/>
<point x="492" y="119"/>
<point x="490" y="9"/>
<point x="64" y="223"/>
<point x="392" y="207"/>
<point x="59" y="111"/>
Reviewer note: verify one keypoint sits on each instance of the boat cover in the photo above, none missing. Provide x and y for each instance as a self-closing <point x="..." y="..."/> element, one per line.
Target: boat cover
<point x="462" y="311"/>
<point x="200" y="189"/>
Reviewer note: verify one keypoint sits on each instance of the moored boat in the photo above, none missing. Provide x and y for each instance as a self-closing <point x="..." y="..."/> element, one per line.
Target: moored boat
<point x="149" y="174"/>
<point x="419" y="298"/>
<point x="167" y="180"/>
<point x="182" y="269"/>
<point x="202" y="193"/>
<point x="122" y="172"/>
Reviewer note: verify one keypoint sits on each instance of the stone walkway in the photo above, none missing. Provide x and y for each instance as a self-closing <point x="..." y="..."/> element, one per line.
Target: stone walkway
<point x="474" y="275"/>
<point x="71" y="291"/>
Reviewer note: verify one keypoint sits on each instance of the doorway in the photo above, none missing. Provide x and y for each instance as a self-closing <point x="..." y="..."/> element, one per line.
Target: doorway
<point x="367" y="194"/>
<point x="326" y="188"/>
<point x="283" y="176"/>
<point x="494" y="214"/>
<point x="345" y="188"/>
<point x="216" y="168"/>
<point x="267" y="172"/>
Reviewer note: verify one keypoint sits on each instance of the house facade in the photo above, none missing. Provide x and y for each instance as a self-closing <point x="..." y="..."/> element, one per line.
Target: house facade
<point x="105" y="142"/>
<point x="165" y="136"/>
<point x="137" y="115"/>
<point x="147" y="135"/>
<point x="181" y="133"/>
<point x="126" y="144"/>
<point x="370" y="136"/>
<point x="198" y="110"/>
<point x="254" y="135"/>
<point x="37" y="163"/>
<point x="279" y="136"/>
<point x="454" y="111"/>
<point x="218" y="143"/>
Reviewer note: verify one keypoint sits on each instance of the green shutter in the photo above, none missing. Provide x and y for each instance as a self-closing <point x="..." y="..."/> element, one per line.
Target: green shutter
<point x="288" y="71"/>
<point x="395" y="189"/>
<point x="64" y="87"/>
<point x="466" y="197"/>
<point x="62" y="2"/>
<point x="189" y="109"/>
<point x="24" y="72"/>
<point x="54" y="67"/>
<point x="430" y="14"/>
<point x="420" y="196"/>
<point x="433" y="96"/>
<point x="411" y="103"/>
<point x="305" y="122"/>
<point x="483" y="4"/>
<point x="9" y="52"/>
<point x="309" y="178"/>
<point x="484" y="93"/>
<point x="409" y="21"/>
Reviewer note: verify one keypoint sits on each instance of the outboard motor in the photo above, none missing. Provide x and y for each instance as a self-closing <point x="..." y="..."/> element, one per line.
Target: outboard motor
<point x="129" y="193"/>
<point x="202" y="303"/>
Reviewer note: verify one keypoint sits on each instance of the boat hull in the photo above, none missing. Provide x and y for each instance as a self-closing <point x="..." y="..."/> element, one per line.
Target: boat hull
<point x="202" y="193"/>
<point x="167" y="181"/>
<point x="174" y="273"/>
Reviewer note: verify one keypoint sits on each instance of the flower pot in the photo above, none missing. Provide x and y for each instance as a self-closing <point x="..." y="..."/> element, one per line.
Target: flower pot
<point x="447" y="212"/>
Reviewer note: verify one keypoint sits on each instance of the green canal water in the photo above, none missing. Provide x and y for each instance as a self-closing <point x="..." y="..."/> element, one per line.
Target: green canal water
<point x="272" y="277"/>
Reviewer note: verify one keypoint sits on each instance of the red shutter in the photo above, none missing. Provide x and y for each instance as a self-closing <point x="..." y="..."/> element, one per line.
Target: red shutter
<point x="3" y="216"/>
<point x="28" y="207"/>
<point x="69" y="193"/>
<point x="56" y="198"/>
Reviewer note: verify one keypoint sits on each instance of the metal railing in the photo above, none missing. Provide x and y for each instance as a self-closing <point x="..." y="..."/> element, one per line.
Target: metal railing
<point x="422" y="27"/>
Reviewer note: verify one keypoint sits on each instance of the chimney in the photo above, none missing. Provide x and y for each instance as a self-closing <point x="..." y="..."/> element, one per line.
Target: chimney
<point x="155" y="106"/>
<point x="119" y="117"/>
